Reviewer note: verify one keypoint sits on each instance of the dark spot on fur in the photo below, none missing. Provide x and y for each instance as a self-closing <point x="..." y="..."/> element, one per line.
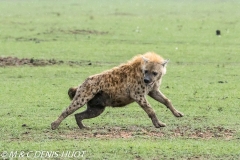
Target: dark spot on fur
<point x="97" y="83"/>
<point x="87" y="88"/>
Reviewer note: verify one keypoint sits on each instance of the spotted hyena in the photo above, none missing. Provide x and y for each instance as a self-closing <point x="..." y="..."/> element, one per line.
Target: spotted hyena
<point x="120" y="86"/>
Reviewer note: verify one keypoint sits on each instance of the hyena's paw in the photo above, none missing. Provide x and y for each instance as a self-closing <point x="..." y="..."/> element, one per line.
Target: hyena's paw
<point x="159" y="124"/>
<point x="177" y="114"/>
<point x="81" y="125"/>
<point x="86" y="128"/>
<point x="54" y="125"/>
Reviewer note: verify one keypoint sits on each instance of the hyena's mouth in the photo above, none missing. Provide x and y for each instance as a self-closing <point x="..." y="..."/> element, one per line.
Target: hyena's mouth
<point x="150" y="84"/>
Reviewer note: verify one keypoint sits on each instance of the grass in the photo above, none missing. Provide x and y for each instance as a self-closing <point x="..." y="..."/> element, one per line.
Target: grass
<point x="202" y="79"/>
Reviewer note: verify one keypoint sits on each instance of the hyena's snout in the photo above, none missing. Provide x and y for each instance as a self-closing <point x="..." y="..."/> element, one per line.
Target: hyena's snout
<point x="147" y="80"/>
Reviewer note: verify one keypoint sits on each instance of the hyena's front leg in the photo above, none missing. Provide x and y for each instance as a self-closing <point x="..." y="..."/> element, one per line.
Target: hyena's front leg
<point x="157" y="95"/>
<point x="151" y="113"/>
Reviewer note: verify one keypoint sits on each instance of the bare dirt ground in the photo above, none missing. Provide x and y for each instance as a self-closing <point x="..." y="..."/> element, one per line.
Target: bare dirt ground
<point x="14" y="61"/>
<point x="131" y="132"/>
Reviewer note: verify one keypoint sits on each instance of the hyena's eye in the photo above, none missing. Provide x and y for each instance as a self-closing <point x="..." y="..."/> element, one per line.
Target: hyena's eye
<point x="154" y="73"/>
<point x="145" y="71"/>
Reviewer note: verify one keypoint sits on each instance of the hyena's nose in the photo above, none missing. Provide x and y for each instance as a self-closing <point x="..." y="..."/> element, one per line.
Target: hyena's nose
<point x="146" y="81"/>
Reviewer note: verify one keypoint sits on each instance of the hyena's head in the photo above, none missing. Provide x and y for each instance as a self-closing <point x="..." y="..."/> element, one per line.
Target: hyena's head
<point x="153" y="68"/>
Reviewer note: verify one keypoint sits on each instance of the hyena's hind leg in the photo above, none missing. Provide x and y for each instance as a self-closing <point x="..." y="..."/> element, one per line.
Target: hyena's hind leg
<point x="80" y="99"/>
<point x="95" y="107"/>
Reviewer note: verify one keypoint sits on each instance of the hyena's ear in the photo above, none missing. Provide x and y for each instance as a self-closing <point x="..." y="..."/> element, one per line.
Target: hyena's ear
<point x="164" y="64"/>
<point x="144" y="59"/>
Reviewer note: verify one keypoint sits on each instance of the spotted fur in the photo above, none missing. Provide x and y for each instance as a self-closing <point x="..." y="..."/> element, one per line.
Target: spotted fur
<point x="120" y="86"/>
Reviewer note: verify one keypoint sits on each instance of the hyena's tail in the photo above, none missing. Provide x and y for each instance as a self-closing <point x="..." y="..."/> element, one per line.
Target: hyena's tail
<point x="71" y="92"/>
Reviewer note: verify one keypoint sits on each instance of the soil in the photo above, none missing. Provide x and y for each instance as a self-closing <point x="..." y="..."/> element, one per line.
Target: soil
<point x="131" y="132"/>
<point x="14" y="61"/>
<point x="84" y="32"/>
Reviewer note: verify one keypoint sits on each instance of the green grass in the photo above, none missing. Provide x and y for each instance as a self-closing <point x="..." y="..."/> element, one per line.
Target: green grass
<point x="202" y="78"/>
